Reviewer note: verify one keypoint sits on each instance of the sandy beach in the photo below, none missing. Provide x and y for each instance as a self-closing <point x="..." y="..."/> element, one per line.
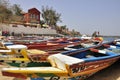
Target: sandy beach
<point x="110" y="73"/>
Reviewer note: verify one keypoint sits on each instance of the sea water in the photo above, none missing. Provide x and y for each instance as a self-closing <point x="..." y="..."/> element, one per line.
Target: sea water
<point x="111" y="38"/>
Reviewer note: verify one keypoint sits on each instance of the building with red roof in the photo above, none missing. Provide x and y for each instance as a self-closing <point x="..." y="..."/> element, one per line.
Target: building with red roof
<point x="33" y="16"/>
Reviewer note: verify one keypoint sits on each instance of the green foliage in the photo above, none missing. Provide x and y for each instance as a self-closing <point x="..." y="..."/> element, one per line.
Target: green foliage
<point x="5" y="12"/>
<point x="8" y="13"/>
<point x="50" y="16"/>
<point x="4" y="3"/>
<point x="17" y="10"/>
<point x="17" y="13"/>
<point x="42" y="22"/>
<point x="75" y="33"/>
<point x="63" y="27"/>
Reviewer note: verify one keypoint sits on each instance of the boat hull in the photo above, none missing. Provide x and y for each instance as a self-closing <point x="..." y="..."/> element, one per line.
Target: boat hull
<point x="73" y="65"/>
<point x="76" y="71"/>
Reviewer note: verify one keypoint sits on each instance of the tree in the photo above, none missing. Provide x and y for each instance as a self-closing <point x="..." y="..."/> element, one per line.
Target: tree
<point x="63" y="27"/>
<point x="17" y="13"/>
<point x="75" y="33"/>
<point x="5" y="12"/>
<point x="42" y="22"/>
<point x="17" y="10"/>
<point x="50" y="16"/>
<point x="4" y="3"/>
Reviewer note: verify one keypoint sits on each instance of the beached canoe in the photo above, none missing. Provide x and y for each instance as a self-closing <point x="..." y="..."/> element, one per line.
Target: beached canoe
<point x="72" y="66"/>
<point x="54" y="44"/>
<point x="20" y="56"/>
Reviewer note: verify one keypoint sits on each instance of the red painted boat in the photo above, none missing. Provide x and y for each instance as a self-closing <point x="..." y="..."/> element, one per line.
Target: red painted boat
<point x="73" y="66"/>
<point x="52" y="44"/>
<point x="23" y="56"/>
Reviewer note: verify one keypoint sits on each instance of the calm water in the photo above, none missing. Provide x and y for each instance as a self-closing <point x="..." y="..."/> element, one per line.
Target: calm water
<point x="110" y="38"/>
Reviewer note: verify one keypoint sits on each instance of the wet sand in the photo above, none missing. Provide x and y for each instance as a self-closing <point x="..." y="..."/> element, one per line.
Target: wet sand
<point x="110" y="73"/>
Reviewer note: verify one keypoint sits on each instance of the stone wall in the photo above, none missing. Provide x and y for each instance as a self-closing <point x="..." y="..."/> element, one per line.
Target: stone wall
<point x="27" y="30"/>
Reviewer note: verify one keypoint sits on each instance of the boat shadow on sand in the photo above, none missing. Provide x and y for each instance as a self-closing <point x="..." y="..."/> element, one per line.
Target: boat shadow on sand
<point x="110" y="73"/>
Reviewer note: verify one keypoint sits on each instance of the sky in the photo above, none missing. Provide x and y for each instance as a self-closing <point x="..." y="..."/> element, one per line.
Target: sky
<point x="85" y="16"/>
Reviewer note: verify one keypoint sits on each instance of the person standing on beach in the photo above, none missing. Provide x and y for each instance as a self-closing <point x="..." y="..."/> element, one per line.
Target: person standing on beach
<point x="94" y="34"/>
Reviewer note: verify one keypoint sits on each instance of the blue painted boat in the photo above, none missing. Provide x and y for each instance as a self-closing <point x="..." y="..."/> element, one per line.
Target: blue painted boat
<point x="70" y="65"/>
<point x="20" y="56"/>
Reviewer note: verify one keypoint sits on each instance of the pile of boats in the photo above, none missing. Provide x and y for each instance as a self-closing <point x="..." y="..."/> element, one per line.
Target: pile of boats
<point x="58" y="59"/>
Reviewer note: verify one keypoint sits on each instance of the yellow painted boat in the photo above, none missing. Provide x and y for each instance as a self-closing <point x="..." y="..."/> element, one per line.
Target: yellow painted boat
<point x="20" y="56"/>
<point x="76" y="66"/>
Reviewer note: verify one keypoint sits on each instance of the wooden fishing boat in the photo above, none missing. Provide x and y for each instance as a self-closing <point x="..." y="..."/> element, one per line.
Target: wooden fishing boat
<point x="56" y="44"/>
<point x="52" y="44"/>
<point x="49" y="44"/>
<point x="20" y="56"/>
<point x="117" y="42"/>
<point x="72" y="66"/>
